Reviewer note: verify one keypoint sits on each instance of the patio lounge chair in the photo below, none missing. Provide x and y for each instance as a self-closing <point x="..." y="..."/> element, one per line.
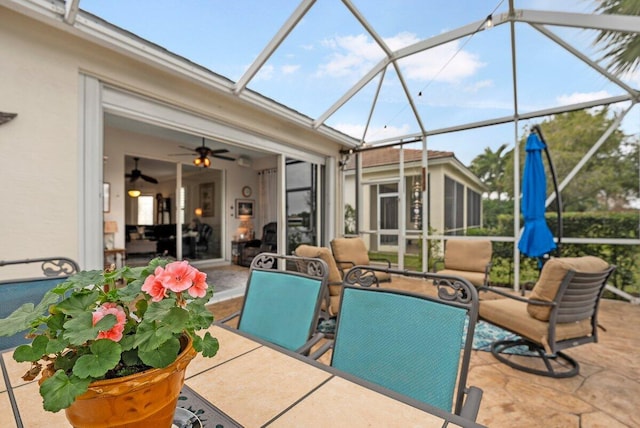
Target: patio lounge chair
<point x="282" y="306"/>
<point x="470" y="259"/>
<point x="350" y="252"/>
<point x="331" y="303"/>
<point x="409" y="343"/>
<point x="561" y="312"/>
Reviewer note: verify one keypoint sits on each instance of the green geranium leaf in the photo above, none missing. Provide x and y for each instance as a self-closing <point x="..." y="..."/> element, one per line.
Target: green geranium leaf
<point x="160" y="310"/>
<point x="27" y="315"/>
<point x="210" y="345"/>
<point x="59" y="391"/>
<point x="150" y="336"/>
<point x="81" y="329"/>
<point x="161" y="356"/>
<point x="104" y="356"/>
<point x="79" y="303"/>
<point x="56" y="345"/>
<point x="130" y="358"/>
<point x="128" y="342"/>
<point x="32" y="352"/>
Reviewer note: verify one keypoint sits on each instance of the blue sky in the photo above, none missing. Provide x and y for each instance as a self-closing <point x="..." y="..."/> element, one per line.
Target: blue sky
<point x="463" y="81"/>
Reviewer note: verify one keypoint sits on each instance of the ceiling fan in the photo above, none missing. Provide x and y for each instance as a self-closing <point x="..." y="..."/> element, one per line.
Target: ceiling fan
<point x="136" y="173"/>
<point x="203" y="152"/>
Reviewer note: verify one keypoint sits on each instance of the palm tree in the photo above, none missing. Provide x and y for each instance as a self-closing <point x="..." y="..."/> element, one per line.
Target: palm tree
<point x="490" y="167"/>
<point x="621" y="50"/>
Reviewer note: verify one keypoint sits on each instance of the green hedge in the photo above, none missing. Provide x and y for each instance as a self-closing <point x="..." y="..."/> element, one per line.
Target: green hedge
<point x="575" y="225"/>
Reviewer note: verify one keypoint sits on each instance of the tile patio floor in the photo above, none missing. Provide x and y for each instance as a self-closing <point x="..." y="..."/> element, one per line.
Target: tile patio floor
<point x="606" y="393"/>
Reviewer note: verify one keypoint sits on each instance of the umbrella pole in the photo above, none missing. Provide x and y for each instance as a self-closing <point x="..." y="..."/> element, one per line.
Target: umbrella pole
<point x="536" y="128"/>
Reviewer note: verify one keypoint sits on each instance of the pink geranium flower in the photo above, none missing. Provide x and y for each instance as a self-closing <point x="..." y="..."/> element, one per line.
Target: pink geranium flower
<point x="199" y="288"/>
<point x="178" y="276"/>
<point x="115" y="332"/>
<point x="154" y="285"/>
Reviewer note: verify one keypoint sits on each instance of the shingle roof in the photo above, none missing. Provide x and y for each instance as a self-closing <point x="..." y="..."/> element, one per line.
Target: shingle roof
<point x="391" y="156"/>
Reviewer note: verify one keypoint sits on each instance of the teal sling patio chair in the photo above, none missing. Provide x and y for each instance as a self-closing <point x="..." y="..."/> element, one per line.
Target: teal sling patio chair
<point x="282" y="306"/>
<point x="412" y="344"/>
<point x="15" y="293"/>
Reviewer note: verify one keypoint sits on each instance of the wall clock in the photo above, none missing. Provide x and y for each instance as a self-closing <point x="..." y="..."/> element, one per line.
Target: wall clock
<point x="246" y="191"/>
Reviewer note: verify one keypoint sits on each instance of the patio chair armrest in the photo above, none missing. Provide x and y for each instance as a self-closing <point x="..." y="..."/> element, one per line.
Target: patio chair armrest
<point x="304" y="349"/>
<point x="387" y="261"/>
<point x="321" y="350"/>
<point x="518" y="298"/>
<point x="229" y="317"/>
<point x="487" y="271"/>
<point x="471" y="404"/>
<point x="342" y="268"/>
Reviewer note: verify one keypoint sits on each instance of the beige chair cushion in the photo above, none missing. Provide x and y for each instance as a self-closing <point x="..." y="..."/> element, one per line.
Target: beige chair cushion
<point x="324" y="254"/>
<point x="476" y="278"/>
<point x="355" y="251"/>
<point x="470" y="256"/>
<point x="553" y="272"/>
<point x="335" y="278"/>
<point x="350" y="250"/>
<point x="513" y="315"/>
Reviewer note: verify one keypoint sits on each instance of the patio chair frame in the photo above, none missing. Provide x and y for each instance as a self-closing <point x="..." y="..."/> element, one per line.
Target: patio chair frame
<point x="274" y="269"/>
<point x="577" y="299"/>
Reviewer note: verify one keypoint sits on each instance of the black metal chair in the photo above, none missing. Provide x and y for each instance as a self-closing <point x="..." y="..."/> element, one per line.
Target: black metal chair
<point x="561" y="312"/>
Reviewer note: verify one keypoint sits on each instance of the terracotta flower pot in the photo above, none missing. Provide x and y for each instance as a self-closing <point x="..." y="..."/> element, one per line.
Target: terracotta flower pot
<point x="146" y="399"/>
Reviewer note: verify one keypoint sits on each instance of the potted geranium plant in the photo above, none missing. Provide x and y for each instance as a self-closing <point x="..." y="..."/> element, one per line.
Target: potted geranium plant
<point x="101" y="325"/>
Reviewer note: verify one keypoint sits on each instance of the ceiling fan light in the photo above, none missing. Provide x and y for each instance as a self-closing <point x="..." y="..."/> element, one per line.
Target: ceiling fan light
<point x="202" y="161"/>
<point x="134" y="193"/>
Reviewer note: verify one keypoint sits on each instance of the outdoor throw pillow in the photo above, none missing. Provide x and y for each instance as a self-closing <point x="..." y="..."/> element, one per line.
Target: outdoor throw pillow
<point x="553" y="272"/>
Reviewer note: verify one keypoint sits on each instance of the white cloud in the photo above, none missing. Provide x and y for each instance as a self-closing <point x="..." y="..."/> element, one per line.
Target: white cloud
<point x="290" y="68"/>
<point x="581" y="97"/>
<point x="265" y="73"/>
<point x="476" y="86"/>
<point x="356" y="55"/>
<point x="632" y="78"/>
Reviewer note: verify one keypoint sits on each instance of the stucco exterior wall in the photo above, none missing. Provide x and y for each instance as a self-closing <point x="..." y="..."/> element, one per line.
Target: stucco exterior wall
<point x="40" y="74"/>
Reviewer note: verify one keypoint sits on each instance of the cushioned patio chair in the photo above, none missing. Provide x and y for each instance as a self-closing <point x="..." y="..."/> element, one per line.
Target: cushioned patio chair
<point x="282" y="306"/>
<point x="331" y="304"/>
<point x="561" y="312"/>
<point x="14" y="293"/>
<point x="470" y="259"/>
<point x="412" y="344"/>
<point x="350" y="252"/>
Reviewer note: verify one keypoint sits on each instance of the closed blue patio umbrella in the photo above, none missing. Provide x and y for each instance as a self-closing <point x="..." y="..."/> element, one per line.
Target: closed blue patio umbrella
<point x="537" y="239"/>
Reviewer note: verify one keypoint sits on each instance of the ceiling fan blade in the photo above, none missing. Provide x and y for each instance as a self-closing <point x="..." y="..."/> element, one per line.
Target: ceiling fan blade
<point x="149" y="179"/>
<point x="222" y="157"/>
<point x="181" y="154"/>
<point x="218" y="151"/>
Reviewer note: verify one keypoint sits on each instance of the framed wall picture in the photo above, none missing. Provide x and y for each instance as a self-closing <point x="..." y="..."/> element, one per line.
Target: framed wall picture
<point x="207" y="199"/>
<point x="244" y="208"/>
<point x="106" y="197"/>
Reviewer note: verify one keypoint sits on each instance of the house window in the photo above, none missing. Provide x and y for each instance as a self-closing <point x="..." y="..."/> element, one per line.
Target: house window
<point x="473" y="208"/>
<point x="453" y="207"/>
<point x="145" y="210"/>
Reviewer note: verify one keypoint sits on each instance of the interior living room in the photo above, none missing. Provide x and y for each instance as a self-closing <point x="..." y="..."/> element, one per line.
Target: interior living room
<point x="162" y="204"/>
